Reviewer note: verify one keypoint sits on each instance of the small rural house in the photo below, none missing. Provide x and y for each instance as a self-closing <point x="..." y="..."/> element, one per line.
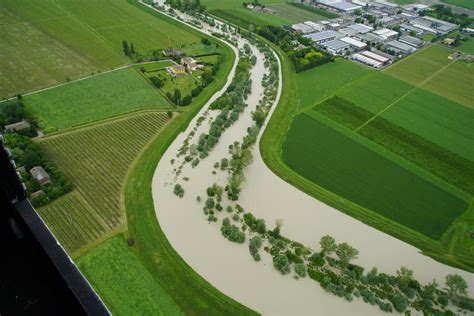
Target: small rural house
<point x="176" y="70"/>
<point x="16" y="127"/>
<point x="190" y="63"/>
<point x="40" y="175"/>
<point x="172" y="52"/>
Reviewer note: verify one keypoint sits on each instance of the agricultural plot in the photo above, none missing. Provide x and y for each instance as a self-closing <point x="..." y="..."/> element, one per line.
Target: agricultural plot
<point x="110" y="266"/>
<point x="468" y="4"/>
<point x="455" y="83"/>
<point x="47" y="42"/>
<point x="446" y="165"/>
<point x="320" y="153"/>
<point x="467" y="47"/>
<point x="95" y="98"/>
<point x="421" y="65"/>
<point x="294" y="14"/>
<point x="155" y="66"/>
<point x="436" y="119"/>
<point x="322" y="82"/>
<point x="375" y="91"/>
<point x="96" y="159"/>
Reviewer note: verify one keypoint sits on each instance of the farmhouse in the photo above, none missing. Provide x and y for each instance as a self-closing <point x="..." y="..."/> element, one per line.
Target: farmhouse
<point x="412" y="41"/>
<point x="176" y="70"/>
<point x="324" y="36"/>
<point x="190" y="63"/>
<point x="172" y="52"/>
<point x="386" y="34"/>
<point x="40" y="175"/>
<point x="336" y="47"/>
<point x="16" y="127"/>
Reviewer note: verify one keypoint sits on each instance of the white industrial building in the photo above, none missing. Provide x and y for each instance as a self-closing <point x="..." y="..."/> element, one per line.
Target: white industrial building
<point x="317" y="27"/>
<point x="339" y="5"/>
<point x="386" y="34"/>
<point x="324" y="36"/>
<point x="357" y="45"/>
<point x="336" y="47"/>
<point x="360" y="28"/>
<point x="302" y="28"/>
<point x="400" y="47"/>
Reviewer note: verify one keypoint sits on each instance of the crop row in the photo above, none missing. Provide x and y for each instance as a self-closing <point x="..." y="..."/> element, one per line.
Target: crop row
<point x="96" y="160"/>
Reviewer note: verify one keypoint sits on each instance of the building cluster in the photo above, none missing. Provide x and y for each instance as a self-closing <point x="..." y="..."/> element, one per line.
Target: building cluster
<point x="188" y="64"/>
<point x="373" y="32"/>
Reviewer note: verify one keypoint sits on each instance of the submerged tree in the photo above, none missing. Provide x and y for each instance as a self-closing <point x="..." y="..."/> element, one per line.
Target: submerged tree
<point x="346" y="253"/>
<point x="328" y="244"/>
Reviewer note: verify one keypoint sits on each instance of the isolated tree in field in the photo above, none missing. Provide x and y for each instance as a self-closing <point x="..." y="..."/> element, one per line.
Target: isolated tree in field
<point x="456" y="286"/>
<point x="132" y="49"/>
<point x="177" y="96"/>
<point x="126" y="48"/>
<point x="346" y="253"/>
<point x="328" y="244"/>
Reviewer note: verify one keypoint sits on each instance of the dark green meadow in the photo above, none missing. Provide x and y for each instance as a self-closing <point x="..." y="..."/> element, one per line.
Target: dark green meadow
<point x="344" y="166"/>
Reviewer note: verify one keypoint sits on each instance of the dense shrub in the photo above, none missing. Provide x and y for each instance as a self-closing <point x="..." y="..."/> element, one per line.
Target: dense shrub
<point x="281" y="263"/>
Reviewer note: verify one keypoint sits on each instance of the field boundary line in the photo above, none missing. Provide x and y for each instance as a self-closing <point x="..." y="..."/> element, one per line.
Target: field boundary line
<point x="406" y="94"/>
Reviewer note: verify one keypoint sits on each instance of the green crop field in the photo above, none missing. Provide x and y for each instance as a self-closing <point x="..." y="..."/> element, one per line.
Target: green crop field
<point x="96" y="159"/>
<point x="353" y="171"/>
<point x="375" y="91"/>
<point x="124" y="284"/>
<point x="155" y="66"/>
<point x="46" y="42"/>
<point x="294" y="14"/>
<point x="446" y="165"/>
<point x="436" y="119"/>
<point x="421" y="65"/>
<point x="455" y="83"/>
<point x="468" y="4"/>
<point x="95" y="98"/>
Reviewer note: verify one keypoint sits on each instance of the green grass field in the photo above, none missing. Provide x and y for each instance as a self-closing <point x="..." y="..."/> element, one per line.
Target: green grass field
<point x="151" y="67"/>
<point x="294" y="14"/>
<point x="49" y="41"/>
<point x="99" y="97"/>
<point x="421" y="65"/>
<point x="467" y="47"/>
<point x="124" y="284"/>
<point x="96" y="159"/>
<point x="353" y="171"/>
<point x="437" y="119"/>
<point x="446" y="165"/>
<point x="468" y="4"/>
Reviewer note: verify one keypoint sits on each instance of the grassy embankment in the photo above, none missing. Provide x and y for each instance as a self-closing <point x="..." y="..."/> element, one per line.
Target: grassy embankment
<point x="454" y="247"/>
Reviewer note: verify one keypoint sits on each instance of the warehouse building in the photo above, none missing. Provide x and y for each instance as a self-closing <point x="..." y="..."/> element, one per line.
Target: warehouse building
<point x="317" y="27"/>
<point x="302" y="28"/>
<point x="412" y="41"/>
<point x="360" y="28"/>
<point x="432" y="25"/>
<point x="336" y="47"/>
<point x="400" y="47"/>
<point x="324" y="36"/>
<point x="386" y="34"/>
<point x="369" y="38"/>
<point x="366" y="60"/>
<point x="340" y="6"/>
<point x="355" y="44"/>
<point x="411" y="28"/>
